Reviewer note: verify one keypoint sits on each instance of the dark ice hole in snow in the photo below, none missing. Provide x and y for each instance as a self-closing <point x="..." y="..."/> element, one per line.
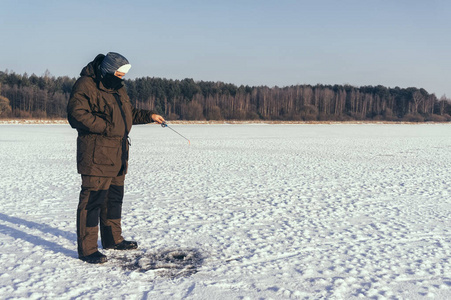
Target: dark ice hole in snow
<point x="179" y="255"/>
<point x="167" y="263"/>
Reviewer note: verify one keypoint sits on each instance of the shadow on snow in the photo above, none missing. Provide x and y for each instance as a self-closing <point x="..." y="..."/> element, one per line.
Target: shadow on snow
<point x="36" y="240"/>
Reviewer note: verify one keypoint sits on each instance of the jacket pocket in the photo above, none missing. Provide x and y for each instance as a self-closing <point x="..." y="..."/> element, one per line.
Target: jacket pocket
<point x="106" y="151"/>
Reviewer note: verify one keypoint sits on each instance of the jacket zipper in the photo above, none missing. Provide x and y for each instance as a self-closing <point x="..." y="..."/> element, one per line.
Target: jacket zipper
<point x="125" y="138"/>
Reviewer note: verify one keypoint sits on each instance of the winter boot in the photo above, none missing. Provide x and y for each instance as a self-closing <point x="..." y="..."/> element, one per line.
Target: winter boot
<point x="95" y="258"/>
<point x="125" y="245"/>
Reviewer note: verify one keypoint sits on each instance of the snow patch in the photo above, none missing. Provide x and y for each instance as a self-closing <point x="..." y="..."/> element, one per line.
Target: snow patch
<point x="244" y="212"/>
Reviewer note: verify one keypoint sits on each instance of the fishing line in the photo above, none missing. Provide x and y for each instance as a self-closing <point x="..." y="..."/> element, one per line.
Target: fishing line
<point x="164" y="124"/>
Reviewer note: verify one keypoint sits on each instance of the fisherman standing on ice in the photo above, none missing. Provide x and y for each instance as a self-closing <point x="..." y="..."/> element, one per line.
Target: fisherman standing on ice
<point x="100" y="110"/>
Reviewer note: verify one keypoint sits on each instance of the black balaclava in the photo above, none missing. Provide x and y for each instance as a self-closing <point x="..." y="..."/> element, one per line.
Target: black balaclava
<point x="112" y="82"/>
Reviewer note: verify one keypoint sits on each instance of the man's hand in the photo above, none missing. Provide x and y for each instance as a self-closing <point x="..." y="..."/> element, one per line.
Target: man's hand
<point x="158" y="119"/>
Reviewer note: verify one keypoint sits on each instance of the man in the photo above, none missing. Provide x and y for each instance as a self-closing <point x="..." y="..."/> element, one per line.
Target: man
<point x="100" y="110"/>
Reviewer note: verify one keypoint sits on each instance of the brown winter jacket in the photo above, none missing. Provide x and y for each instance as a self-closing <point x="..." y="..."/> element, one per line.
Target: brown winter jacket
<point x="103" y="118"/>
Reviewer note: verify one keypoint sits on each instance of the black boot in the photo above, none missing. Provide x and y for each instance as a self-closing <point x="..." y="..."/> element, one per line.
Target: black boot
<point x="95" y="258"/>
<point x="125" y="245"/>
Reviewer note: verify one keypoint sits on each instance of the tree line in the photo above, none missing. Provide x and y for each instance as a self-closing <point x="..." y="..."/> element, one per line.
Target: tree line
<point x="46" y="96"/>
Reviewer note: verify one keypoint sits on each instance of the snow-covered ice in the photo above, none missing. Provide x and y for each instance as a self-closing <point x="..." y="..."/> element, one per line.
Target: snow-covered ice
<point x="264" y="211"/>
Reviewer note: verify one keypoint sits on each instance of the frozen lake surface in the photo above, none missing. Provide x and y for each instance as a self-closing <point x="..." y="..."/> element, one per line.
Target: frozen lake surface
<point x="244" y="212"/>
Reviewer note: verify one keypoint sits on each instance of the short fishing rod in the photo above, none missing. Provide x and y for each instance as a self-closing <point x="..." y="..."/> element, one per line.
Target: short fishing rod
<point x="164" y="124"/>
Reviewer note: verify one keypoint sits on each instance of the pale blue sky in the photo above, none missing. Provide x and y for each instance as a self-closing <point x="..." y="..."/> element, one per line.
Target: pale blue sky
<point x="392" y="43"/>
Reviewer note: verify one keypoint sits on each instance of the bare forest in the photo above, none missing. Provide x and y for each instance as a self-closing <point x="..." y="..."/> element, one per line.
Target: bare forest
<point x="46" y="96"/>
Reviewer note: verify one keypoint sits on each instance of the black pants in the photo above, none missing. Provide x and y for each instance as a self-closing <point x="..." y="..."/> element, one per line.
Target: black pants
<point x="100" y="199"/>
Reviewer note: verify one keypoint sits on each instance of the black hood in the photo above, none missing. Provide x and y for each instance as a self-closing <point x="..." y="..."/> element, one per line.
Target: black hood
<point x="92" y="69"/>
